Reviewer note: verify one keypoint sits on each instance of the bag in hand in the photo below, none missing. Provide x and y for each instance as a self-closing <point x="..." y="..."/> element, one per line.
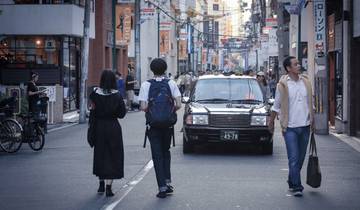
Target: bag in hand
<point x="91" y="133"/>
<point x="313" y="177"/>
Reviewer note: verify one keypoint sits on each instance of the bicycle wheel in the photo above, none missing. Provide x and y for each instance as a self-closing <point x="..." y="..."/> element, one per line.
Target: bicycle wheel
<point x="37" y="140"/>
<point x="11" y="137"/>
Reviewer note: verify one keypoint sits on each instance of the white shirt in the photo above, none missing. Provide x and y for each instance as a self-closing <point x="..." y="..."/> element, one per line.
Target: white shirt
<point x="145" y="86"/>
<point x="299" y="114"/>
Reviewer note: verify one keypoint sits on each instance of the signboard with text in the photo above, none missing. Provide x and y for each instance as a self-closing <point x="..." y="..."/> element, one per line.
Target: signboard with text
<point x="320" y="29"/>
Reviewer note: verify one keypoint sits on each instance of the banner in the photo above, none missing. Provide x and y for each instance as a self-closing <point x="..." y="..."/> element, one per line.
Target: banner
<point x="182" y="50"/>
<point x="123" y="24"/>
<point x="164" y="42"/>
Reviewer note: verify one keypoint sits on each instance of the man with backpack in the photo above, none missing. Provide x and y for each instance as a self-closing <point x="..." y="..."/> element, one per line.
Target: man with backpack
<point x="160" y="98"/>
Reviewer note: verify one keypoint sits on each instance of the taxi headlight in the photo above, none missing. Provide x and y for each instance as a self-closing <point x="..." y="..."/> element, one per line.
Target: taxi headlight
<point x="258" y="120"/>
<point x="197" y="120"/>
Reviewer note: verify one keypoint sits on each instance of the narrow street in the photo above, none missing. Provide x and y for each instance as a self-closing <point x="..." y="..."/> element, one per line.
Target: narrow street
<point x="227" y="177"/>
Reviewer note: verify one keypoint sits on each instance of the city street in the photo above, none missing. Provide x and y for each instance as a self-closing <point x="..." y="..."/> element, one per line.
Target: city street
<point x="60" y="176"/>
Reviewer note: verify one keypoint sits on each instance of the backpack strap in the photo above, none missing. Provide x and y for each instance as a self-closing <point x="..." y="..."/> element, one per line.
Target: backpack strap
<point x="173" y="135"/>
<point x="146" y="135"/>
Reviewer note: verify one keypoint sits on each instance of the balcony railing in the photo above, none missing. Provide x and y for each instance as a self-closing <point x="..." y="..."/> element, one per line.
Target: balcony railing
<point x="76" y="2"/>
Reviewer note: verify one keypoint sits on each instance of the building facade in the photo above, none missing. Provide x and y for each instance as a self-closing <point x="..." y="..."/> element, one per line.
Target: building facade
<point x="44" y="37"/>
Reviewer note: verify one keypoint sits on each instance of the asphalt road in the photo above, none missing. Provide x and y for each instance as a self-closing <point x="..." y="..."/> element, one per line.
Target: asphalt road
<point x="214" y="177"/>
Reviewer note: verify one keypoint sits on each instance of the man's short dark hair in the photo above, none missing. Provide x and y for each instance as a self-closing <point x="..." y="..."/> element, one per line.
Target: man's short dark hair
<point x="158" y="66"/>
<point x="287" y="62"/>
<point x="118" y="74"/>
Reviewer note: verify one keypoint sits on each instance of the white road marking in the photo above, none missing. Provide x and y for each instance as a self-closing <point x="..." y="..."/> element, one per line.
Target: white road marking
<point x="62" y="127"/>
<point x="130" y="185"/>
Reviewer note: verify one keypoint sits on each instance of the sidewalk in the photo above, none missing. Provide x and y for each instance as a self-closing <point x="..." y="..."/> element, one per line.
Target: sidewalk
<point x="352" y="141"/>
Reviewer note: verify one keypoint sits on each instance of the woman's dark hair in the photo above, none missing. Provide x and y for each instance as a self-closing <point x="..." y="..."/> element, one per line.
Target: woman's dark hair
<point x="263" y="81"/>
<point x="108" y="81"/>
<point x="287" y="62"/>
<point x="158" y="66"/>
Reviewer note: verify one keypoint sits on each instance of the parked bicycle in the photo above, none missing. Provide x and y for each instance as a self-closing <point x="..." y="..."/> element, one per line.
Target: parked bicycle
<point x="10" y="129"/>
<point x="30" y="130"/>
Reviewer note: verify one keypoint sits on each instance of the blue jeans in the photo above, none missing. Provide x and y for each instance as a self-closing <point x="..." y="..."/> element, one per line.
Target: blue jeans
<point x="296" y="140"/>
<point x="160" y="140"/>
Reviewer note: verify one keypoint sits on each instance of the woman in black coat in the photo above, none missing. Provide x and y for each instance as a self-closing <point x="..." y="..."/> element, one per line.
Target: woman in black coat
<point x="107" y="106"/>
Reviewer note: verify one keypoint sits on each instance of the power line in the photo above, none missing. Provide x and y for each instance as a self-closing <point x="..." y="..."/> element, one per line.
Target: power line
<point x="186" y="22"/>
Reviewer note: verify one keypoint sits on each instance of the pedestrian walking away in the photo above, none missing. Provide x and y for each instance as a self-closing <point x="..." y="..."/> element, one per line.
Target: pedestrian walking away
<point x="107" y="105"/>
<point x="293" y="103"/>
<point x="130" y="85"/>
<point x="160" y="99"/>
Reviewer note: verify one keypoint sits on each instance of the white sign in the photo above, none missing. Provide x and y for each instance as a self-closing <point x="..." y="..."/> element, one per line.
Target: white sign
<point x="50" y="92"/>
<point x="147" y="12"/>
<point x="320" y="29"/>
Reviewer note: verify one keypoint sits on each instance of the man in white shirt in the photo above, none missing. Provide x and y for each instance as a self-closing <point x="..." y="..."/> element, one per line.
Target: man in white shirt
<point x="293" y="103"/>
<point x="160" y="138"/>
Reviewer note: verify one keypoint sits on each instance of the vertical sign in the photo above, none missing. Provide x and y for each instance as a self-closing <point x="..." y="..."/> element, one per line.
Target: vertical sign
<point x="320" y="32"/>
<point x="164" y="42"/>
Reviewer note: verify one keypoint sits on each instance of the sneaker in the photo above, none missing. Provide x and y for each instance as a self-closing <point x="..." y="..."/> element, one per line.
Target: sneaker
<point x="170" y="189"/>
<point x="298" y="193"/>
<point x="291" y="189"/>
<point x="161" y="194"/>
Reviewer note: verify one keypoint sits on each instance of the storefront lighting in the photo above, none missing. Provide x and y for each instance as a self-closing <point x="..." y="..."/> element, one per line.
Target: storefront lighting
<point x="38" y="42"/>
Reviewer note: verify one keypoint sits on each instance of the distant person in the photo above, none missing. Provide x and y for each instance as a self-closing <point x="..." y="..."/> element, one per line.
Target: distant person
<point x="33" y="92"/>
<point x="130" y="85"/>
<point x="265" y="89"/>
<point x="170" y="76"/>
<point x="293" y="103"/>
<point x="272" y="85"/>
<point x="160" y="95"/>
<point x="120" y="84"/>
<point x="107" y="105"/>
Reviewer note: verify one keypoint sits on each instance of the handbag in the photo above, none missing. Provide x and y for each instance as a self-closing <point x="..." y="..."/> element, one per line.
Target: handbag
<point x="91" y="133"/>
<point x="313" y="177"/>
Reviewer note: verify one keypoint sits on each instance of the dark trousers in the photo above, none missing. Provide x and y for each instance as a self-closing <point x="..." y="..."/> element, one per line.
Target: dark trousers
<point x="160" y="140"/>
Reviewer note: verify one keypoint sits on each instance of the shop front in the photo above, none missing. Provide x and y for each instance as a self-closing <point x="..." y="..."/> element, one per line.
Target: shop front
<point x="55" y="58"/>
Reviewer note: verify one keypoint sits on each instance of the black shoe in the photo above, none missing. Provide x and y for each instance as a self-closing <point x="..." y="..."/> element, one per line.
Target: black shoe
<point x="109" y="192"/>
<point x="298" y="193"/>
<point x="161" y="194"/>
<point x="101" y="187"/>
<point x="170" y="189"/>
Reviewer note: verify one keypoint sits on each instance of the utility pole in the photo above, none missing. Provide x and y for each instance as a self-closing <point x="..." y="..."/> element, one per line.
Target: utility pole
<point x="158" y="32"/>
<point x="84" y="63"/>
<point x="137" y="41"/>
<point x="114" y="59"/>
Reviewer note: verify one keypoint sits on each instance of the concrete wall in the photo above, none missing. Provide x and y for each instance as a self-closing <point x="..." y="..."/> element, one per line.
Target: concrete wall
<point x="44" y="20"/>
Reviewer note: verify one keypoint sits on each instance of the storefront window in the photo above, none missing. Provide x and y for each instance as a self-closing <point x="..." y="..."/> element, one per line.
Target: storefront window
<point x="29" y="51"/>
<point x="71" y="68"/>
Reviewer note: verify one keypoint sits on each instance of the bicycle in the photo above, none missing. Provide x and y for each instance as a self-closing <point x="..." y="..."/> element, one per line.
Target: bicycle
<point x="13" y="133"/>
<point x="33" y="132"/>
<point x="10" y="129"/>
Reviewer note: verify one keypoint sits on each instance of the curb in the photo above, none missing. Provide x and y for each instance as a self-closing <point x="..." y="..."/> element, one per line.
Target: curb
<point x="350" y="140"/>
<point x="63" y="127"/>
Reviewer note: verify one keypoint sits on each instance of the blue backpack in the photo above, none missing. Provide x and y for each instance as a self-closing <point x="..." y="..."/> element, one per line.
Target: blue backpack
<point x="161" y="107"/>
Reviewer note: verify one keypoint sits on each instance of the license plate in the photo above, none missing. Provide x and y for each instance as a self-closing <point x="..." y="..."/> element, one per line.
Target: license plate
<point x="229" y="135"/>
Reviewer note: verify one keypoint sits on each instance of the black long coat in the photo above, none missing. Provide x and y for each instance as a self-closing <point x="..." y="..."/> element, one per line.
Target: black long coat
<point x="108" y="146"/>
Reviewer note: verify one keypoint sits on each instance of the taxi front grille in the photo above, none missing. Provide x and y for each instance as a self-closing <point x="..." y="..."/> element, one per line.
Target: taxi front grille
<point x="229" y="121"/>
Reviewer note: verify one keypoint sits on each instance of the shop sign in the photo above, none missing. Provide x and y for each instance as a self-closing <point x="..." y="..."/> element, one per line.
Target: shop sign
<point x="50" y="92"/>
<point x="147" y="12"/>
<point x="320" y="28"/>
